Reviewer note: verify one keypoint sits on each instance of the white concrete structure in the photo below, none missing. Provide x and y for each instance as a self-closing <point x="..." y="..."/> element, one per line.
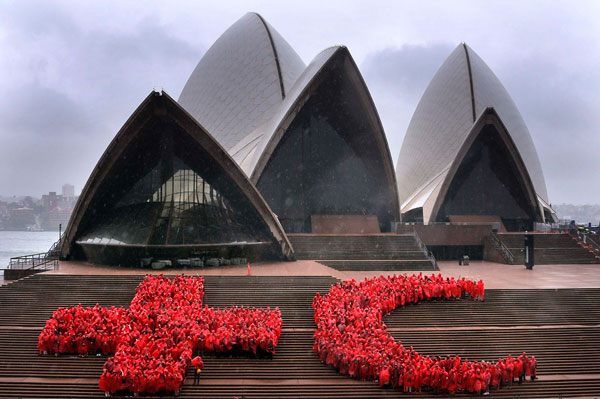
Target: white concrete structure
<point x="459" y="93"/>
<point x="250" y="87"/>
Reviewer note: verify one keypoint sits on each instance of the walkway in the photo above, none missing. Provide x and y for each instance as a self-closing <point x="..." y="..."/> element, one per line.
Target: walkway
<point x="495" y="275"/>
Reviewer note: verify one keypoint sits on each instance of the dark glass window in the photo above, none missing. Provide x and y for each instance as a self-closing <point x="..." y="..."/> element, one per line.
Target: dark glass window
<point x="165" y="190"/>
<point x="488" y="183"/>
<point x="328" y="162"/>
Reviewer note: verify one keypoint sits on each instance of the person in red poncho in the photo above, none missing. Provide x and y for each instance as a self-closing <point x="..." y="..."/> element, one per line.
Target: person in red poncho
<point x="384" y="377"/>
<point x="509" y="370"/>
<point x="518" y="370"/>
<point x="533" y="366"/>
<point x="480" y="290"/>
<point x="525" y="367"/>
<point x="198" y="366"/>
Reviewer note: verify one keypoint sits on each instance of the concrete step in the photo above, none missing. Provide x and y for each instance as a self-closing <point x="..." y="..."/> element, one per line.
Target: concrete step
<point x="384" y="265"/>
<point x="560" y="327"/>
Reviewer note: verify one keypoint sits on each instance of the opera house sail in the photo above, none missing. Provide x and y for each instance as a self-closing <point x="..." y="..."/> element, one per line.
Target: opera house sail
<point x="164" y="188"/>
<point x="260" y="145"/>
<point x="308" y="137"/>
<point x="467" y="154"/>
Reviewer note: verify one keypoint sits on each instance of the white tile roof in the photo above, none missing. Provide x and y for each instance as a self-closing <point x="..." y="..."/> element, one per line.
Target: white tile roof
<point x="444" y="117"/>
<point x="236" y="86"/>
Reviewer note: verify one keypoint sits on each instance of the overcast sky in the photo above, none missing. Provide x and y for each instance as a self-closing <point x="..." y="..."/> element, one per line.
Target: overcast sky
<point x="73" y="71"/>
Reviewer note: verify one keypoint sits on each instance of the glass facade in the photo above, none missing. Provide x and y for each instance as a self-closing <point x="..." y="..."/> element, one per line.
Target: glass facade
<point x="327" y="162"/>
<point x="167" y="191"/>
<point x="488" y="182"/>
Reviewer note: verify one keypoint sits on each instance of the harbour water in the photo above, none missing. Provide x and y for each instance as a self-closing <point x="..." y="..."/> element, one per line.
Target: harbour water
<point x="17" y="243"/>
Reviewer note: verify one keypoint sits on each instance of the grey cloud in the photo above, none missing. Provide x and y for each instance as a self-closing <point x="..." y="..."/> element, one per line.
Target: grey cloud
<point x="555" y="102"/>
<point x="397" y="78"/>
<point x="556" y="98"/>
<point x="79" y="86"/>
<point x="406" y="70"/>
<point x="33" y="110"/>
<point x="35" y="19"/>
<point x="47" y="139"/>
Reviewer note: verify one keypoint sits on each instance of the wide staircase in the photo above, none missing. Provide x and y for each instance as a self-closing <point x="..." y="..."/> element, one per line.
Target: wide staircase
<point x="362" y="252"/>
<point x="560" y="327"/>
<point x="549" y="248"/>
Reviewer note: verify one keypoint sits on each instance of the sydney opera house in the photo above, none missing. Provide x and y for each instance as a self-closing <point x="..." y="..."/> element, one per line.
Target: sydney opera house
<point x="266" y="159"/>
<point x="260" y="147"/>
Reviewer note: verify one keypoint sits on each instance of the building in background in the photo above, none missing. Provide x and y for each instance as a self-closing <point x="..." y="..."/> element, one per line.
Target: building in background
<point x="56" y="209"/>
<point x="68" y="192"/>
<point x="55" y="219"/>
<point x="50" y="200"/>
<point x="21" y="219"/>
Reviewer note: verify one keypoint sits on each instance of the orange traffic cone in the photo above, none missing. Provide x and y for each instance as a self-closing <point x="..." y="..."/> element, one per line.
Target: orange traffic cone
<point x="248" y="268"/>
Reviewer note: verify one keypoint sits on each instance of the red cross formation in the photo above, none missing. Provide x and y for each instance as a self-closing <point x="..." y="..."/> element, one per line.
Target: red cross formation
<point x="153" y="341"/>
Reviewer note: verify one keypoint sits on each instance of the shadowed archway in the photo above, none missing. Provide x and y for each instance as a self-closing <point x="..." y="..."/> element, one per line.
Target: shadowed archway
<point x="165" y="188"/>
<point x="332" y="157"/>
<point x="488" y="177"/>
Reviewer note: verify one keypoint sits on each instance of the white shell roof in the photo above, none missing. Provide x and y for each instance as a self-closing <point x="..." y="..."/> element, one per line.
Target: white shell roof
<point x="443" y="119"/>
<point x="241" y="80"/>
<point x="254" y="151"/>
<point x="249" y="151"/>
<point x="134" y="126"/>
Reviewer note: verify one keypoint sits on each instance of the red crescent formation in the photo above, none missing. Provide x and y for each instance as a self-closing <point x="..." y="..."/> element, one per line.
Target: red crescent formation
<point x="352" y="338"/>
<point x="153" y="341"/>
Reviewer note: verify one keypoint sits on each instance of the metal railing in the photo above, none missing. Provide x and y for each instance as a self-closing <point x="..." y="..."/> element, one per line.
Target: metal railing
<point x="39" y="261"/>
<point x="494" y="225"/>
<point x="595" y="246"/>
<point x="585" y="240"/>
<point x="55" y="248"/>
<point x="552" y="227"/>
<point x="428" y="254"/>
<point x="545" y="227"/>
<point x="500" y="246"/>
<point x="42" y="261"/>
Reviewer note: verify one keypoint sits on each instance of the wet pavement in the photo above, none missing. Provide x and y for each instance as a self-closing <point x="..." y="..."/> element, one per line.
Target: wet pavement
<point x="495" y="275"/>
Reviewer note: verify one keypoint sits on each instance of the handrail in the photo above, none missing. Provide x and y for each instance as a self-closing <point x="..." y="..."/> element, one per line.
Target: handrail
<point x="506" y="253"/>
<point x="455" y="223"/>
<point x="55" y="248"/>
<point x="585" y="240"/>
<point x="39" y="261"/>
<point x="428" y="254"/>
<point x="594" y="244"/>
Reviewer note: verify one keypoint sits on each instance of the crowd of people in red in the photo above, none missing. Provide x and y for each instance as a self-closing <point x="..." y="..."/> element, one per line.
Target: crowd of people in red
<point x="352" y="337"/>
<point x="154" y="340"/>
